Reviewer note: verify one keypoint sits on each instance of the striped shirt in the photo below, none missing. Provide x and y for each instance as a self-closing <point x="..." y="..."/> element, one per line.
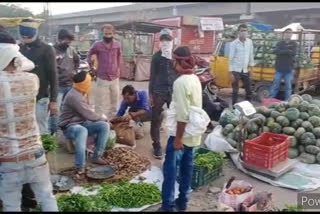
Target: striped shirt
<point x="19" y="132"/>
<point x="241" y="55"/>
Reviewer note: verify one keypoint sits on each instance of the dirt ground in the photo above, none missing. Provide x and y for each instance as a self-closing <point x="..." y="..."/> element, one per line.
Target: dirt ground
<point x="205" y="198"/>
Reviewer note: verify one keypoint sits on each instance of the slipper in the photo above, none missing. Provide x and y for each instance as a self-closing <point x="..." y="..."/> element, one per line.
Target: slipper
<point x="80" y="174"/>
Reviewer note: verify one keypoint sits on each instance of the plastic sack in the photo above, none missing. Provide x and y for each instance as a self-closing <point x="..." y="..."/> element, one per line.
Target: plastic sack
<point x="235" y="201"/>
<point x="111" y="142"/>
<point x="215" y="141"/>
<point x="196" y="126"/>
<point x="227" y="117"/>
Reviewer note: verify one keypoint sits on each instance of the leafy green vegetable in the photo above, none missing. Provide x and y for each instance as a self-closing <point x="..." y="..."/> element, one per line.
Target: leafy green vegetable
<point x="49" y="142"/>
<point x="82" y="203"/>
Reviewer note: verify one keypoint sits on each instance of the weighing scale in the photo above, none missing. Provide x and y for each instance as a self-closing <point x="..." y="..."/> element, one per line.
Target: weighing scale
<point x="246" y="109"/>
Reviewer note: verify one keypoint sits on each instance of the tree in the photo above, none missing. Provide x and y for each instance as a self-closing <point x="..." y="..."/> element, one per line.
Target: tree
<point x="12" y="10"/>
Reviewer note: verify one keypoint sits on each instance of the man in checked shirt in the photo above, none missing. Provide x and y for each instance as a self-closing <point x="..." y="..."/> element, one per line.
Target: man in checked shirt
<point x="22" y="158"/>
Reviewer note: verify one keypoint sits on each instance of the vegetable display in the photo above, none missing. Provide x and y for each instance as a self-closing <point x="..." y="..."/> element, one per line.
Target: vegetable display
<point x="49" y="142"/>
<point x="211" y="160"/>
<point x="299" y="118"/>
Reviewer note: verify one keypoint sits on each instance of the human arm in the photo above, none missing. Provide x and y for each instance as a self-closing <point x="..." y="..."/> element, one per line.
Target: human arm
<point x="144" y="106"/>
<point x="251" y="56"/>
<point x="93" y="51"/>
<point x="51" y="68"/>
<point x="119" y="58"/>
<point x="122" y="109"/>
<point x="81" y="106"/>
<point x="76" y="60"/>
<point x="152" y="79"/>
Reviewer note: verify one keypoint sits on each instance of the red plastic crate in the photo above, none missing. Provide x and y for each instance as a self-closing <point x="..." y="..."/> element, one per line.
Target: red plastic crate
<point x="267" y="150"/>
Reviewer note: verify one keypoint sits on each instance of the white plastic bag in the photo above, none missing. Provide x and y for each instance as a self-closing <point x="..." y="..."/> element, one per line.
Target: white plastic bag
<point x="235" y="201"/>
<point x="216" y="142"/>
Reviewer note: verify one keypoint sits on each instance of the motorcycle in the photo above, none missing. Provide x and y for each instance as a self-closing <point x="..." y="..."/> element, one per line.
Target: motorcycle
<point x="205" y="76"/>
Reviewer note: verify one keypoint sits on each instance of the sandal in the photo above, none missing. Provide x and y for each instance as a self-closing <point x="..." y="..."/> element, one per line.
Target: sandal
<point x="99" y="161"/>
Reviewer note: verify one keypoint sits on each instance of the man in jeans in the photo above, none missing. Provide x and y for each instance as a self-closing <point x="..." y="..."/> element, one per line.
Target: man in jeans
<point x="43" y="56"/>
<point x="68" y="63"/>
<point x="162" y="77"/>
<point x="77" y="121"/>
<point x="187" y="92"/>
<point x="240" y="57"/>
<point x="109" y="57"/>
<point x="22" y="157"/>
<point x="285" y="59"/>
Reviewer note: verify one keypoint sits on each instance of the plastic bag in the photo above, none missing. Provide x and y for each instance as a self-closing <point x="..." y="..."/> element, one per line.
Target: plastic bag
<point x="215" y="141"/>
<point x="227" y="117"/>
<point x="235" y="201"/>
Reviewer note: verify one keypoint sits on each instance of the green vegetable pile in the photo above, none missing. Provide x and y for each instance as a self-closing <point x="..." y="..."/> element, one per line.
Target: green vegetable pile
<point x="49" y="142"/>
<point x="299" y="118"/>
<point x="82" y="203"/>
<point x="130" y="195"/>
<point x="211" y="160"/>
<point x="121" y="195"/>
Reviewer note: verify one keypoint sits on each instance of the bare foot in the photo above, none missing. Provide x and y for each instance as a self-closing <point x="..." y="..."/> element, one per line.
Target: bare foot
<point x="100" y="161"/>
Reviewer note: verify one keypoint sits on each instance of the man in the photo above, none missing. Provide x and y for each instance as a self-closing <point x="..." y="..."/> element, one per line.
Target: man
<point x="68" y="63"/>
<point x="162" y="77"/>
<point x="77" y="121"/>
<point x="187" y="93"/>
<point x="43" y="56"/>
<point x="240" y="57"/>
<point x="109" y="56"/>
<point x="22" y="157"/>
<point x="285" y="60"/>
<point x="137" y="101"/>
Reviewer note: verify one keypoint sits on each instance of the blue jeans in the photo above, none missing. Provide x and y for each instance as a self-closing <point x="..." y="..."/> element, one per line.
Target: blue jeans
<point x="287" y="75"/>
<point x="42" y="115"/>
<point x="175" y="160"/>
<point x="13" y="175"/>
<point x="53" y="120"/>
<point x="79" y="135"/>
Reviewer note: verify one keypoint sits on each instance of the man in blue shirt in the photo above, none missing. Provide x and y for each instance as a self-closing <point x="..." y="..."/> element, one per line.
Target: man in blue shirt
<point x="138" y="103"/>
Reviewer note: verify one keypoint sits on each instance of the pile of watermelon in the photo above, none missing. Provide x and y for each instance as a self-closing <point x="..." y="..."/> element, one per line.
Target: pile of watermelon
<point x="299" y="118"/>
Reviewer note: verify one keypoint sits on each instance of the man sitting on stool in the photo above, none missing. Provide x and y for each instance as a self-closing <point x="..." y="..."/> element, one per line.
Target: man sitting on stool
<point x="78" y="121"/>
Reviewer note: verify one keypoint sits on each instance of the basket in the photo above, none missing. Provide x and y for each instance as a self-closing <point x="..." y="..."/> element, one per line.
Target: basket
<point x="267" y="150"/>
<point x="201" y="175"/>
<point x="269" y="101"/>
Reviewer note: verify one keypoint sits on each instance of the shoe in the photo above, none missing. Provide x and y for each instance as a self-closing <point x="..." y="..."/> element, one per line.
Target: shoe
<point x="157" y="152"/>
<point x="180" y="209"/>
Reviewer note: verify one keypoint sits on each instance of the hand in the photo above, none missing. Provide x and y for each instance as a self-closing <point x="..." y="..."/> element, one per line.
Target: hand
<point x="53" y="108"/>
<point x="127" y="117"/>
<point x="178" y="145"/>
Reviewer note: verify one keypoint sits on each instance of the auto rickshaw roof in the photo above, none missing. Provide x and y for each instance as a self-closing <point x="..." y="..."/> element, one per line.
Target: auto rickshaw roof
<point x="145" y="27"/>
<point x="13" y="22"/>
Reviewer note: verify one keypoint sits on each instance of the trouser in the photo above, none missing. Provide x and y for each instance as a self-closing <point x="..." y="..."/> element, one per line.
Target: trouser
<point x="175" y="160"/>
<point x="13" y="175"/>
<point x="53" y="120"/>
<point x="245" y="78"/>
<point x="42" y="115"/>
<point x="156" y="118"/>
<point x="287" y="75"/>
<point x="107" y="97"/>
<point x="79" y="135"/>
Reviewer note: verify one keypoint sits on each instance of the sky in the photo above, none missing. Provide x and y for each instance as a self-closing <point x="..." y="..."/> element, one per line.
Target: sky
<point x="64" y="7"/>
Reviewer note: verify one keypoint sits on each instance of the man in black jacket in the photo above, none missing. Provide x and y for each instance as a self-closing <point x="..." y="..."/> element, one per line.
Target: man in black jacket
<point x="285" y="60"/>
<point x="160" y="86"/>
<point x="43" y="56"/>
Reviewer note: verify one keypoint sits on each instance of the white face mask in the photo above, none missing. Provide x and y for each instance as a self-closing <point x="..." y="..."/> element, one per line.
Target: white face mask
<point x="166" y="49"/>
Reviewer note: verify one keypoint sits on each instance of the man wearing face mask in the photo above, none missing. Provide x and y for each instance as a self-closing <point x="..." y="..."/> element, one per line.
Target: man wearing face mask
<point x="240" y="59"/>
<point x="285" y="59"/>
<point x="162" y="77"/>
<point x="108" y="55"/>
<point x="68" y="63"/>
<point x="43" y="56"/>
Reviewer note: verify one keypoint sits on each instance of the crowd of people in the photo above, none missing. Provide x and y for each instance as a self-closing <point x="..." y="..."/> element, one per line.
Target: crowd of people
<point x="45" y="83"/>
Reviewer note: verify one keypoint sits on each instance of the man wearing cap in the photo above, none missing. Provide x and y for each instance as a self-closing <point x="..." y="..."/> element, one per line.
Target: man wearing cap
<point x="78" y="121"/>
<point x="162" y="77"/>
<point x="43" y="56"/>
<point x="22" y="157"/>
<point x="68" y="63"/>
<point x="108" y="60"/>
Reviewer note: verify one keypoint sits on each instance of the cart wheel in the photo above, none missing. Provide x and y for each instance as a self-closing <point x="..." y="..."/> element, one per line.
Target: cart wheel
<point x="263" y="92"/>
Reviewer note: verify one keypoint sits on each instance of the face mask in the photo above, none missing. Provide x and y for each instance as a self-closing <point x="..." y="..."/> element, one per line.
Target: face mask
<point x="107" y="39"/>
<point x="243" y="35"/>
<point x="166" y="49"/>
<point x="63" y="46"/>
